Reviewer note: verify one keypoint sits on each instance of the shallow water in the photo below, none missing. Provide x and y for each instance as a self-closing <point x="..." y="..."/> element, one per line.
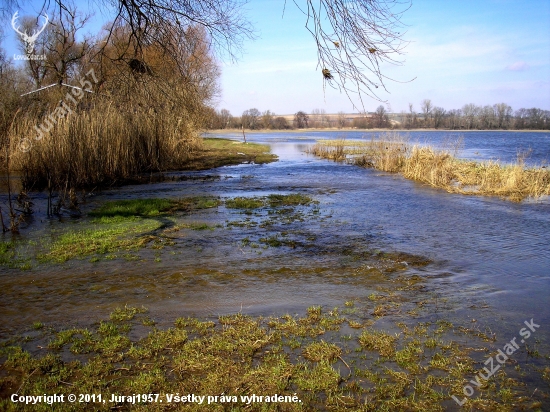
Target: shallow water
<point x="484" y="251"/>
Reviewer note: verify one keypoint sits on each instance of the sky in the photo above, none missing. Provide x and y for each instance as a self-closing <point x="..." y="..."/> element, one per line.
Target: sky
<point x="459" y="52"/>
<point x="482" y="52"/>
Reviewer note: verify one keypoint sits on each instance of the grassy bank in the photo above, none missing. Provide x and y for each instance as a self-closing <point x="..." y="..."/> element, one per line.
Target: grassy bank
<point x="440" y="168"/>
<point x="321" y="360"/>
<point x="225" y="152"/>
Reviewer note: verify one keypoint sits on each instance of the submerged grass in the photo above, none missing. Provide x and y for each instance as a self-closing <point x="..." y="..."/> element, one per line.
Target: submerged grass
<point x="116" y="226"/>
<point x="440" y="168"/>
<point x="244" y="203"/>
<point x="308" y="359"/>
<point x="131" y="224"/>
<point x="153" y="206"/>
<point x="272" y="200"/>
<point x="129" y="234"/>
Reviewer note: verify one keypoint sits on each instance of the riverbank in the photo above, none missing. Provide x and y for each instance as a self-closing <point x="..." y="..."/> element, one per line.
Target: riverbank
<point x="224" y="152"/>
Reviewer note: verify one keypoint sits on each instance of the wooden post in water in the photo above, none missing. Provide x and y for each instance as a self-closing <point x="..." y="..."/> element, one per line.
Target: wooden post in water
<point x="244" y="136"/>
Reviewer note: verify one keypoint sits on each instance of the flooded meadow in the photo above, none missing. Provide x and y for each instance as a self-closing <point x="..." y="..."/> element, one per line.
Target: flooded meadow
<point x="364" y="290"/>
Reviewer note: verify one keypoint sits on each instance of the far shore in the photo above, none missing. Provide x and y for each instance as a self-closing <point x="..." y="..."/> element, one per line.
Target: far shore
<point x="352" y="129"/>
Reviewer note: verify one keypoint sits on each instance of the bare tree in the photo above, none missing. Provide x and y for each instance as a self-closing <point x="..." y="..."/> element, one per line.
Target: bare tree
<point x="250" y="118"/>
<point x="538" y="118"/>
<point x="470" y="112"/>
<point x="225" y="118"/>
<point x="301" y="120"/>
<point x="341" y="120"/>
<point x="267" y="119"/>
<point x="412" y="119"/>
<point x="487" y="118"/>
<point x="64" y="51"/>
<point x="381" y="118"/>
<point x="316" y="118"/>
<point x="280" y="123"/>
<point x="438" y="116"/>
<point x="454" y="118"/>
<point x="427" y="108"/>
<point x="503" y="113"/>
<point x="4" y="62"/>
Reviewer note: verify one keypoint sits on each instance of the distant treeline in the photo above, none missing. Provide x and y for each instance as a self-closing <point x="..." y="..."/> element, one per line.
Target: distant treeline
<point x="470" y="117"/>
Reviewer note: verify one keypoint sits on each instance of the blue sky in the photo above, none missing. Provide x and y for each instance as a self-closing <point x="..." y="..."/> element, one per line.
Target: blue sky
<point x="482" y="52"/>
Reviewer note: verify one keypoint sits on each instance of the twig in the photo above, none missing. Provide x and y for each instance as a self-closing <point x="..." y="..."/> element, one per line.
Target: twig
<point x="25" y="380"/>
<point x="339" y="357"/>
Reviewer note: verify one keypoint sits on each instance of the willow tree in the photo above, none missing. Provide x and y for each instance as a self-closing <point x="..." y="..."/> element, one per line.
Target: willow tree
<point x="354" y="39"/>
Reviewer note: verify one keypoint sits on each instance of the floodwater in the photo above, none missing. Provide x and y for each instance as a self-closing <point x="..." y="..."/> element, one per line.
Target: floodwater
<point x="484" y="252"/>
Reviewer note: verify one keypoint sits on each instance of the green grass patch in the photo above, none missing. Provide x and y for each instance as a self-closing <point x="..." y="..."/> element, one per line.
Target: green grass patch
<point x="245" y="203"/>
<point x="15" y="254"/>
<point x="224" y="152"/>
<point x="378" y="341"/>
<point x="101" y="239"/>
<point x="7" y="252"/>
<point x="116" y="226"/>
<point x="126" y="313"/>
<point x="152" y="207"/>
<point x="322" y="351"/>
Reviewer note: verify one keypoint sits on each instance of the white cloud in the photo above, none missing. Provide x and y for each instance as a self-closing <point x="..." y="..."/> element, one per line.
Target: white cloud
<point x="518" y="66"/>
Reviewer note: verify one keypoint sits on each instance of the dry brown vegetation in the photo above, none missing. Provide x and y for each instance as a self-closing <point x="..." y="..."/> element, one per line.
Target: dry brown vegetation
<point x="440" y="168"/>
<point x="140" y="108"/>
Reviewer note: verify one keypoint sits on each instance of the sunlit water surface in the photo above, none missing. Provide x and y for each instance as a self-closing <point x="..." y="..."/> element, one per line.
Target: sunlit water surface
<point x="486" y="252"/>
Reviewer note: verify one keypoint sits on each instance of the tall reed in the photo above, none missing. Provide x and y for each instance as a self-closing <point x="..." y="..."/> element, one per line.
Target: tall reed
<point x="101" y="146"/>
<point x="441" y="168"/>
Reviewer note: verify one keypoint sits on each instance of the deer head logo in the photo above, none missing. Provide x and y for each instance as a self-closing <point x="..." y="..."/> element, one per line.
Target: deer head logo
<point x="29" y="40"/>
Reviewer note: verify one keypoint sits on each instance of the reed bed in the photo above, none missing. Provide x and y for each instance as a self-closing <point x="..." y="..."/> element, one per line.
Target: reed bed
<point x="440" y="168"/>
